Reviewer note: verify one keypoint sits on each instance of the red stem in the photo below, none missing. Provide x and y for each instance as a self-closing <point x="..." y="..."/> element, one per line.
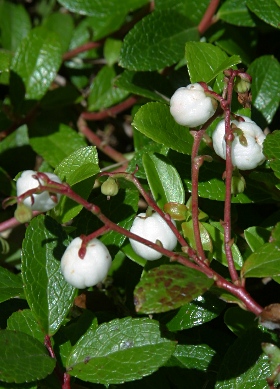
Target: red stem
<point x="81" y="49"/>
<point x="208" y="17"/>
<point x="110" y="112"/>
<point x="94" y="139"/>
<point x="13" y="222"/>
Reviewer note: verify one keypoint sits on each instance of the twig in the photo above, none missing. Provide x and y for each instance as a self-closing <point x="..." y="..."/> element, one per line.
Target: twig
<point x="208" y="18"/>
<point x="81" y="49"/>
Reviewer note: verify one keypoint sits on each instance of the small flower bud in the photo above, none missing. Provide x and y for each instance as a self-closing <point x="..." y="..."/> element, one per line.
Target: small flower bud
<point x="176" y="211"/>
<point x="23" y="214"/>
<point x="109" y="187"/>
<point x="238" y="183"/>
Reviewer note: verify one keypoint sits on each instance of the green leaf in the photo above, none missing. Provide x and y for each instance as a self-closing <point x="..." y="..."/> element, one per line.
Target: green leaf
<point x="101" y="7"/>
<point x="37" y="61"/>
<point x="266" y="10"/>
<point x="112" y="48"/>
<point x="15" y="24"/>
<point x="192" y="9"/>
<point x="151" y="85"/>
<point x="55" y="142"/>
<point x="5" y="61"/>
<point x="256" y="237"/>
<point x="10" y="285"/>
<point x="169" y="287"/>
<point x="62" y="24"/>
<point x="244" y="365"/>
<point x="265" y="262"/>
<point x="271" y="150"/>
<point x="265" y="71"/>
<point x="103" y="94"/>
<point x="77" y="170"/>
<point x="201" y="310"/>
<point x="155" y="121"/>
<point x="48" y="294"/>
<point x="120" y="351"/>
<point x="205" y="61"/>
<point x="23" y="358"/>
<point x="157" y="41"/>
<point x="235" y="12"/>
<point x="164" y="180"/>
<point x="24" y="321"/>
<point x="239" y="321"/>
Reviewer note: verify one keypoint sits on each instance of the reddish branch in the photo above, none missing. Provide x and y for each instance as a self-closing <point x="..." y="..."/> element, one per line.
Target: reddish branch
<point x="208" y="17"/>
<point x="81" y="49"/>
<point x="101" y="145"/>
<point x="110" y="112"/>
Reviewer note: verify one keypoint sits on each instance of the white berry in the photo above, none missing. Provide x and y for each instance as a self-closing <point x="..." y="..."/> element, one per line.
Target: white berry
<point x="246" y="149"/>
<point x="191" y="107"/>
<point x="42" y="202"/>
<point x="89" y="271"/>
<point x="152" y="228"/>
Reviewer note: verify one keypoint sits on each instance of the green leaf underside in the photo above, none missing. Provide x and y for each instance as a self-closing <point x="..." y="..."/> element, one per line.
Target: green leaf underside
<point x="158" y="40"/>
<point x="48" y="294"/>
<point x="119" y="351"/>
<point x="37" y="61"/>
<point x="164" y="180"/>
<point x="169" y="287"/>
<point x="265" y="262"/>
<point x="23" y="358"/>
<point x="155" y="121"/>
<point x="10" y="285"/>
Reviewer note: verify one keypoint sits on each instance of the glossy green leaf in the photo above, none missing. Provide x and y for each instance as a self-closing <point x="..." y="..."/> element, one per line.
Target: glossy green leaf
<point x="23" y="358"/>
<point x="201" y="310"/>
<point x="192" y="10"/>
<point x="256" y="237"/>
<point x="155" y="121"/>
<point x="164" y="180"/>
<point x="239" y="321"/>
<point x="235" y="12"/>
<point x="55" y="142"/>
<point x="265" y="87"/>
<point x="63" y="25"/>
<point x="169" y="287"/>
<point x="15" y="24"/>
<point x="265" y="262"/>
<point x="244" y="365"/>
<point x="103" y="94"/>
<point x="151" y="85"/>
<point x="77" y="170"/>
<point x="48" y="294"/>
<point x="101" y="7"/>
<point x="266" y="10"/>
<point x="24" y="321"/>
<point x="10" y="285"/>
<point x="158" y="40"/>
<point x="271" y="150"/>
<point x="120" y="351"/>
<point x="112" y="48"/>
<point x="273" y="353"/>
<point x="203" y="59"/>
<point x="37" y="61"/>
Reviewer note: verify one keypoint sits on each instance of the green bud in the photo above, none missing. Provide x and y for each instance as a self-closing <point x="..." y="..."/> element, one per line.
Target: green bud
<point x="109" y="187"/>
<point x="175" y="210"/>
<point x="23" y="214"/>
<point x="242" y="86"/>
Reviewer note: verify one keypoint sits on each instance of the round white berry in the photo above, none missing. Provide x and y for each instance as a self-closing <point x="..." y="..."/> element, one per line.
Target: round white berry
<point x="42" y="202"/>
<point x="246" y="148"/>
<point x="191" y="107"/>
<point x="89" y="271"/>
<point x="152" y="228"/>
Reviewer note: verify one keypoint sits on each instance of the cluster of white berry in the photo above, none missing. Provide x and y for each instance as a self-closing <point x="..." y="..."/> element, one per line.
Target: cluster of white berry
<point x="190" y="106"/>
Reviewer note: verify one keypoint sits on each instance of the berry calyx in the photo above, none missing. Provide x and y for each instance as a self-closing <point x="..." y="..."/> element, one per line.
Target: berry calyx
<point x="89" y="271"/>
<point x="154" y="229"/>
